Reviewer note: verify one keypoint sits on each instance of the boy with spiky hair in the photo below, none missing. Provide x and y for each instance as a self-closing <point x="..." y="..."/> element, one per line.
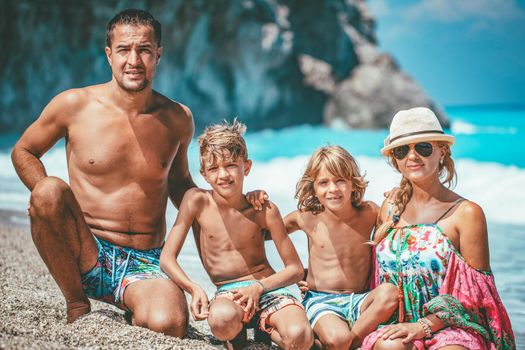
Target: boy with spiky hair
<point x="231" y="247"/>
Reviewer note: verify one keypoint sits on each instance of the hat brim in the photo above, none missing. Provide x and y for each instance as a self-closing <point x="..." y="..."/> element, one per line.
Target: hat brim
<point x="418" y="138"/>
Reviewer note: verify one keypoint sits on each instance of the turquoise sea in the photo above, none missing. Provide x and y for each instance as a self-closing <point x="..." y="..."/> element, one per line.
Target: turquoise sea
<point x="490" y="160"/>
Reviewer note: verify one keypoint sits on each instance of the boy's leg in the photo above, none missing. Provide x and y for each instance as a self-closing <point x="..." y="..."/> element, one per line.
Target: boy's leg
<point x="377" y="308"/>
<point x="291" y="328"/>
<point x="158" y="304"/>
<point x="225" y="318"/>
<point x="333" y="332"/>
<point x="63" y="240"/>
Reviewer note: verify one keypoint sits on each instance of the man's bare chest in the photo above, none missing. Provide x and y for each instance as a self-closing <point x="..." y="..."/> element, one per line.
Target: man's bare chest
<point x="102" y="146"/>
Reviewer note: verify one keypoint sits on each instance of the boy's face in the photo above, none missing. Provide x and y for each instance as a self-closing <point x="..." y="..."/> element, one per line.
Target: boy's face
<point x="226" y="175"/>
<point x="333" y="192"/>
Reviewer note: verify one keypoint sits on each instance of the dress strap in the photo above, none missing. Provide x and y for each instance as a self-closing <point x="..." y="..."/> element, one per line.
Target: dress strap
<point x="455" y="204"/>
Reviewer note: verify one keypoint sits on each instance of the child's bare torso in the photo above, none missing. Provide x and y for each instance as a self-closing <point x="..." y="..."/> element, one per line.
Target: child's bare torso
<point x="231" y="243"/>
<point x="339" y="258"/>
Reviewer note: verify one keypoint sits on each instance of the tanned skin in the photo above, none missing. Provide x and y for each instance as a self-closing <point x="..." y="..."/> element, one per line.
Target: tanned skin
<point x="231" y="247"/>
<point x="340" y="260"/>
<point x="126" y="149"/>
<point x="465" y="226"/>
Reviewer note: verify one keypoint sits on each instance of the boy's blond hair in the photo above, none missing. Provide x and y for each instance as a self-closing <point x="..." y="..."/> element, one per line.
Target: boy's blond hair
<point x="218" y="138"/>
<point x="339" y="163"/>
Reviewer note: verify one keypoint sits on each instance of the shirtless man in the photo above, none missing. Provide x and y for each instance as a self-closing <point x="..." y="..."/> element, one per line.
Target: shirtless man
<point x="231" y="247"/>
<point x="126" y="149"/>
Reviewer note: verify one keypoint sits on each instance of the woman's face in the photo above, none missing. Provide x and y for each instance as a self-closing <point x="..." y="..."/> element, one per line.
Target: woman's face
<point x="421" y="161"/>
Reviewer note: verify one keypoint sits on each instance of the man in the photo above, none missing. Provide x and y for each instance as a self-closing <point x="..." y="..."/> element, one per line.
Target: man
<point x="126" y="147"/>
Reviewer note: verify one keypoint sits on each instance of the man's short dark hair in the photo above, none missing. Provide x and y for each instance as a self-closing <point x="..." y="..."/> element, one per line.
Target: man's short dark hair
<point x="133" y="17"/>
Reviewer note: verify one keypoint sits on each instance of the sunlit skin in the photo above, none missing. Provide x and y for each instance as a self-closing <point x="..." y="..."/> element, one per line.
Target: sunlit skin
<point x="465" y="226"/>
<point x="126" y="149"/>
<point x="339" y="259"/>
<point x="231" y="247"/>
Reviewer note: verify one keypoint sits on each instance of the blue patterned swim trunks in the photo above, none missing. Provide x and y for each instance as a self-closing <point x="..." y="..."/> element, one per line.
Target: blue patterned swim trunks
<point x="118" y="267"/>
<point x="269" y="302"/>
<point x="345" y="306"/>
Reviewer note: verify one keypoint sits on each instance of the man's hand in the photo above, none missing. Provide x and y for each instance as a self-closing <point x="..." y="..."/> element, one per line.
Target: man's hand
<point x="248" y="297"/>
<point x="408" y="331"/>
<point x="257" y="198"/>
<point x="199" y="304"/>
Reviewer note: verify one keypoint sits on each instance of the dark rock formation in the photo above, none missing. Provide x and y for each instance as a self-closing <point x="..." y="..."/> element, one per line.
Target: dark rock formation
<point x="272" y="63"/>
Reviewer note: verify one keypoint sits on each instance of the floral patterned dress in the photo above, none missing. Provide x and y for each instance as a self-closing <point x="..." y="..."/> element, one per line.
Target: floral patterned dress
<point x="433" y="278"/>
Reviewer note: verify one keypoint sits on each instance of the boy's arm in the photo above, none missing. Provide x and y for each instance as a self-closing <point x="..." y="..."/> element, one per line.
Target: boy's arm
<point x="170" y="251"/>
<point x="293" y="270"/>
<point x="291" y="224"/>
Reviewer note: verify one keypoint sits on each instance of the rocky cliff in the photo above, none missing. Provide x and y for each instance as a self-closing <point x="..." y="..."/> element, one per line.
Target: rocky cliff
<point x="272" y="63"/>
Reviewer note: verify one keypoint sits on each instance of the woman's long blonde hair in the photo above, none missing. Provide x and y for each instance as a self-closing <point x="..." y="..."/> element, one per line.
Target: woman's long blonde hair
<point x="339" y="163"/>
<point x="447" y="176"/>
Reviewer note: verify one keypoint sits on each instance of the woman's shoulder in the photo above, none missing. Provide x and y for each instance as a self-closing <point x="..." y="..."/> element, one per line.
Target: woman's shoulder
<point x="469" y="211"/>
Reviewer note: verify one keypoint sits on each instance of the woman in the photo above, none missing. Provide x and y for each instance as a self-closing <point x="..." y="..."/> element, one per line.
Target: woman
<point x="433" y="245"/>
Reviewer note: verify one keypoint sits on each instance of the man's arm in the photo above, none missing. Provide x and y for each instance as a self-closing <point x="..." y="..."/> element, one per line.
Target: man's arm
<point x="179" y="178"/>
<point x="172" y="247"/>
<point x="42" y="135"/>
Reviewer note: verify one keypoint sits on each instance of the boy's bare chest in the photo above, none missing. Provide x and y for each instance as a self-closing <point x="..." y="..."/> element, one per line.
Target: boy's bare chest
<point x="235" y="230"/>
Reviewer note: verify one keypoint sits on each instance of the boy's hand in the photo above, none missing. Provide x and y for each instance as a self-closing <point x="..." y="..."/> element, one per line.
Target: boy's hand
<point x="199" y="304"/>
<point x="391" y="195"/>
<point x="257" y="198"/>
<point x="303" y="287"/>
<point x="248" y="297"/>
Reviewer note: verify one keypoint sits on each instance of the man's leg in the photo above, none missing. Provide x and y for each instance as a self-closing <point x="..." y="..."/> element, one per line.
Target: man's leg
<point x="63" y="239"/>
<point x="158" y="304"/>
<point x="291" y="328"/>
<point x="333" y="332"/>
<point x="377" y="308"/>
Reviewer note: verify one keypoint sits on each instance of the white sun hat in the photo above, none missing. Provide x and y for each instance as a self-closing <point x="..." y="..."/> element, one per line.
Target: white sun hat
<point x="414" y="125"/>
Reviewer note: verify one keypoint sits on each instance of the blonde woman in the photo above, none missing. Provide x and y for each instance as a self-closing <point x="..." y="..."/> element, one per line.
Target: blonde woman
<point x="432" y="244"/>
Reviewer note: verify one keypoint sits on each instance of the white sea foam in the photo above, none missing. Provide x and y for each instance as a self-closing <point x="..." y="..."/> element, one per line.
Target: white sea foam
<point x="497" y="188"/>
<point x="459" y="127"/>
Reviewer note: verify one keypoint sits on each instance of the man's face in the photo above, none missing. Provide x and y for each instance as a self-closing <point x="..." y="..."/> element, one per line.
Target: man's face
<point x="133" y="56"/>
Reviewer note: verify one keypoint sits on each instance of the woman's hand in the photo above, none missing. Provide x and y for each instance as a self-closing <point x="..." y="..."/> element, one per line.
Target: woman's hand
<point x="408" y="331"/>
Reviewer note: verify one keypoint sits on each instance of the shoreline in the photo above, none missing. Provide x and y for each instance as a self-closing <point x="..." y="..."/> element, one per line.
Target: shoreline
<point x="32" y="312"/>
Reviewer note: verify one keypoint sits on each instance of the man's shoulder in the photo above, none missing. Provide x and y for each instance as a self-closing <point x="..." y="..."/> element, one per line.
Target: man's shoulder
<point x="172" y="109"/>
<point x="74" y="99"/>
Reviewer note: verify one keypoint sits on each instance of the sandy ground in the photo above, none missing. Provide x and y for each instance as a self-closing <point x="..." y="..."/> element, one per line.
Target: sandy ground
<point x="32" y="310"/>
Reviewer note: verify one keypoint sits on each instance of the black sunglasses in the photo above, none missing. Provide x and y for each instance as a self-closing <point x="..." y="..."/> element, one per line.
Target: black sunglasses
<point x="424" y="149"/>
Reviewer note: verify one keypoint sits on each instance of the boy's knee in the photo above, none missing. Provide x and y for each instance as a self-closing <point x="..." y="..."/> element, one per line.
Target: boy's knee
<point x="47" y="196"/>
<point x="387" y="295"/>
<point x="337" y="340"/>
<point x="225" y="321"/>
<point x="297" y="336"/>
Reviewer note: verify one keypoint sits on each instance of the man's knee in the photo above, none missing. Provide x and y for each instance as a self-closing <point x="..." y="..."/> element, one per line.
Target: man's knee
<point x="163" y="321"/>
<point x="47" y="197"/>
